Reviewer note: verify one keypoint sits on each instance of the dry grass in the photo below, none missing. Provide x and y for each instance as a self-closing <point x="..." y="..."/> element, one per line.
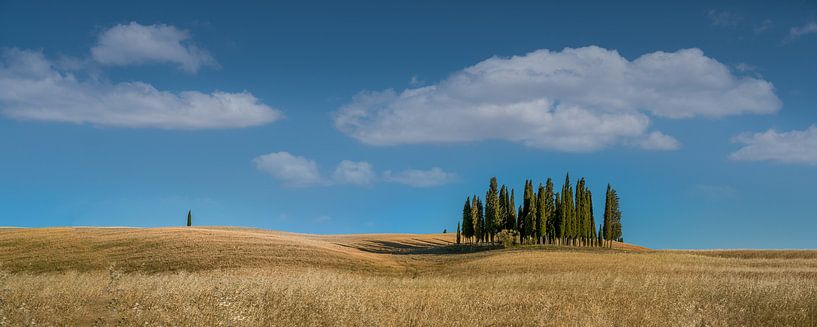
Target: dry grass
<point x="235" y="277"/>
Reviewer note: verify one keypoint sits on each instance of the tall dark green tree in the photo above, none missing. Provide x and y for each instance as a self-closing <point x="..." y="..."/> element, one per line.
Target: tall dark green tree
<point x="541" y="215"/>
<point x="492" y="216"/>
<point x="526" y="228"/>
<point x="580" y="211"/>
<point x="612" y="217"/>
<point x="600" y="236"/>
<point x="511" y="223"/>
<point x="616" y="221"/>
<point x="568" y="212"/>
<point x="481" y="214"/>
<point x="503" y="207"/>
<point x="592" y="225"/>
<point x="467" y="220"/>
<point x="550" y="210"/>
<point x="559" y="227"/>
<point x="519" y="219"/>
<point x="458" y="233"/>
<point x="479" y="228"/>
<point x="189" y="218"/>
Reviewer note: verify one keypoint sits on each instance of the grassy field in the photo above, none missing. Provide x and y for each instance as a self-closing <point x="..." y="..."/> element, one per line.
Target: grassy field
<point x="237" y="277"/>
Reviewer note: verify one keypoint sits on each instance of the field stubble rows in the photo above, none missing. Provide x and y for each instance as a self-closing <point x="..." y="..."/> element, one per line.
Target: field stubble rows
<point x="224" y="276"/>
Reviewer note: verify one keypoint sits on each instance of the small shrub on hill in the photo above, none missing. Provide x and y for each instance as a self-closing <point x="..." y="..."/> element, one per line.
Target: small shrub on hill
<point x="508" y="238"/>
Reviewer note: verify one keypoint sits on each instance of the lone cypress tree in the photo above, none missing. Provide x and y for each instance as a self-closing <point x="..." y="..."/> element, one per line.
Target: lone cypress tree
<point x="467" y="220"/>
<point x="189" y="218"/>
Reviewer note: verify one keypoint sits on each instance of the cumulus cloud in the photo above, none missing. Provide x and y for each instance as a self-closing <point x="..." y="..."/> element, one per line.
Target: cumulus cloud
<point x="808" y="28"/>
<point x="33" y="87"/>
<point x="298" y="171"/>
<point x="793" y="147"/>
<point x="137" y="44"/>
<point x="420" y="178"/>
<point x="289" y="169"/>
<point x="572" y="100"/>
<point x="350" y="172"/>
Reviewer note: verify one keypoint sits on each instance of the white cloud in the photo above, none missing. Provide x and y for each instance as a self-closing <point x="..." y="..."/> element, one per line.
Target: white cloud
<point x="745" y="68"/>
<point x="808" y="28"/>
<point x="659" y="141"/>
<point x="724" y="18"/>
<point x="572" y="100"/>
<point x="350" y="172"/>
<point x="289" y="169"/>
<point x="793" y="147"/>
<point x="32" y="87"/>
<point x="137" y="44"/>
<point x="298" y="171"/>
<point x="420" y="178"/>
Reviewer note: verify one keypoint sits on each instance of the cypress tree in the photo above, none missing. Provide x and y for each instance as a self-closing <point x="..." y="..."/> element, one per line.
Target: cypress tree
<point x="503" y="206"/>
<point x="525" y="214"/>
<point x="608" y="216"/>
<point x="550" y="210"/>
<point x="189" y="218"/>
<point x="511" y="224"/>
<point x="592" y="224"/>
<point x="520" y="216"/>
<point x="467" y="220"/>
<point x="559" y="227"/>
<point x="568" y="211"/>
<point x="580" y="212"/>
<point x="492" y="216"/>
<point x="528" y="212"/>
<point x="458" y="233"/>
<point x="541" y="215"/>
<point x="481" y="213"/>
<point x="599" y="238"/>
<point x="509" y="221"/>
<point x="616" y="218"/>
<point x="475" y="218"/>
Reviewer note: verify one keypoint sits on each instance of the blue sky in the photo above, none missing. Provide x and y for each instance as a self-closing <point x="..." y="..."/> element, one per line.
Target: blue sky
<point x="372" y="117"/>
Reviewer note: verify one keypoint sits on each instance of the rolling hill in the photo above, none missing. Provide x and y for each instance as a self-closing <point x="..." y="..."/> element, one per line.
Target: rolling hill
<point x="242" y="276"/>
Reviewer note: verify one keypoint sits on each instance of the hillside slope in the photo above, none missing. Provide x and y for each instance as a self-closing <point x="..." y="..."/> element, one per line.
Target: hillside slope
<point x="210" y="276"/>
<point x="202" y="248"/>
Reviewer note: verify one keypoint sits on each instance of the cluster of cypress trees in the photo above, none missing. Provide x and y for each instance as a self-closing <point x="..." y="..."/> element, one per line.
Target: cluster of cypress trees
<point x="544" y="217"/>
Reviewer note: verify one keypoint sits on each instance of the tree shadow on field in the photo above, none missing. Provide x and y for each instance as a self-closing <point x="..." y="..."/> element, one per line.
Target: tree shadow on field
<point x="416" y="246"/>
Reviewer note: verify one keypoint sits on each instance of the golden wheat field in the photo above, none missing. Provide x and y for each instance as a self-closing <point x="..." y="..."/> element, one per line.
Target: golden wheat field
<point x="248" y="277"/>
